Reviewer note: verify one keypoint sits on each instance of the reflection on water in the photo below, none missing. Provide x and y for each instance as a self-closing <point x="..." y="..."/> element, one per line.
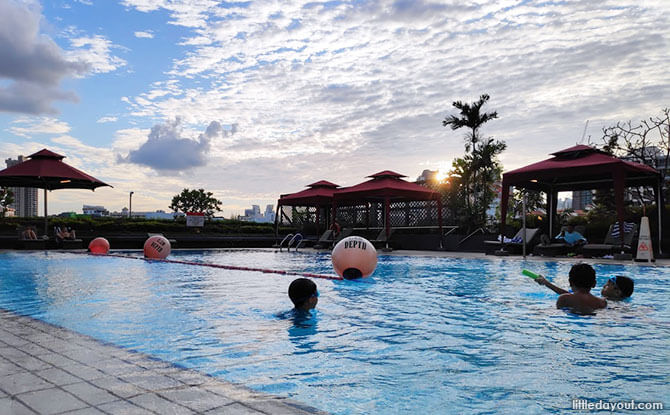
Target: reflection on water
<point x="418" y="334"/>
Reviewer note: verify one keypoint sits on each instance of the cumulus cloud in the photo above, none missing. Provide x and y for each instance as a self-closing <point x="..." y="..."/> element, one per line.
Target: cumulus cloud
<point x="167" y="150"/>
<point x="147" y="34"/>
<point x="103" y="120"/>
<point x="96" y="52"/>
<point x="31" y="65"/>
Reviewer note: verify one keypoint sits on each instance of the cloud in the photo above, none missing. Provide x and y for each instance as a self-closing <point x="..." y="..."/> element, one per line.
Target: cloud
<point x="32" y="65"/>
<point x="29" y="127"/>
<point x="96" y="52"/>
<point x="147" y="34"/>
<point x="166" y="149"/>
<point x="103" y="120"/>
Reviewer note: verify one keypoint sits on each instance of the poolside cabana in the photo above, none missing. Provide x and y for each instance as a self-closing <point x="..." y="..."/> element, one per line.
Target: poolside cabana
<point x="388" y="200"/>
<point x="317" y="198"/>
<point x="582" y="168"/>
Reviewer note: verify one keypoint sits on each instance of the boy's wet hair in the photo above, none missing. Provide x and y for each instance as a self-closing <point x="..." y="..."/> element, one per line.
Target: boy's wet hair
<point x="300" y="291"/>
<point x="625" y="284"/>
<point x="582" y="276"/>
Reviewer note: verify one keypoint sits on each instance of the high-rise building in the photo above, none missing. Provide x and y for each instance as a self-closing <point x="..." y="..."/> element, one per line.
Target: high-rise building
<point x="581" y="199"/>
<point x="25" y="198"/>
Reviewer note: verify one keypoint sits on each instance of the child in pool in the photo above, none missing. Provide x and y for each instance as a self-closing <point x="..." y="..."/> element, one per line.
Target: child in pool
<point x="582" y="278"/>
<point x="304" y="294"/>
<point x="616" y="288"/>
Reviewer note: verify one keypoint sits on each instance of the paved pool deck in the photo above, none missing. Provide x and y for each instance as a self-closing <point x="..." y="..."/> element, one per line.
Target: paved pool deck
<point x="45" y="369"/>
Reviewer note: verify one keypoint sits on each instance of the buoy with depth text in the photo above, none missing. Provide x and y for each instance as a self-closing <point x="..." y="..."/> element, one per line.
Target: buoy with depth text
<point x="99" y="245"/>
<point x="354" y="257"/>
<point x="157" y="247"/>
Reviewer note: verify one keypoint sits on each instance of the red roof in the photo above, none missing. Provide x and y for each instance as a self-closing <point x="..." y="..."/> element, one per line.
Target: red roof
<point x="46" y="170"/>
<point x="578" y="168"/>
<point x="319" y="194"/>
<point x="385" y="184"/>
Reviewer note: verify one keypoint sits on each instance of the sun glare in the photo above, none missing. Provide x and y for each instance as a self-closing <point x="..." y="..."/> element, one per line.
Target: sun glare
<point x="441" y="175"/>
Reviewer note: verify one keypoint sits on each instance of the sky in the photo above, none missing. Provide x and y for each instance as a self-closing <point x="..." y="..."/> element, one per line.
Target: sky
<point x="254" y="99"/>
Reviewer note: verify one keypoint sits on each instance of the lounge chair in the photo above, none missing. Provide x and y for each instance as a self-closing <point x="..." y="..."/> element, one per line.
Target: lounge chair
<point x="612" y="242"/>
<point x="381" y="240"/>
<point x="325" y="240"/>
<point x="556" y="247"/>
<point x="515" y="245"/>
<point x="67" y="243"/>
<point x="26" y="243"/>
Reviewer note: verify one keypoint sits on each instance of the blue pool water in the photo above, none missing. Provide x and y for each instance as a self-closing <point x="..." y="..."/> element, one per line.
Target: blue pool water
<point x="425" y="335"/>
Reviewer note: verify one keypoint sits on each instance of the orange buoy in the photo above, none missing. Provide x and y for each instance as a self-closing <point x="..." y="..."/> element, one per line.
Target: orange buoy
<point x="157" y="247"/>
<point x="354" y="257"/>
<point x="99" y="245"/>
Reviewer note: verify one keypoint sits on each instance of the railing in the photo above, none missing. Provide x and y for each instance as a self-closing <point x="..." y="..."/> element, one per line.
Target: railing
<point x="299" y="238"/>
<point x="286" y="238"/>
<point x="291" y="239"/>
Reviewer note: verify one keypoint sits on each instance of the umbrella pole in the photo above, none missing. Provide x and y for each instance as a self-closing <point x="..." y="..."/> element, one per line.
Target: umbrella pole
<point x="46" y="218"/>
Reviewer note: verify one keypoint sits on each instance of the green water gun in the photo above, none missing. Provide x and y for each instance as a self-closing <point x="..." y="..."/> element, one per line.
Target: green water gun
<point x="530" y="274"/>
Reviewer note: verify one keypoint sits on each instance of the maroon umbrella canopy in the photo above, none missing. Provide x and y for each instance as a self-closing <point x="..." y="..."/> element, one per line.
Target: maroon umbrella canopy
<point x="46" y="170"/>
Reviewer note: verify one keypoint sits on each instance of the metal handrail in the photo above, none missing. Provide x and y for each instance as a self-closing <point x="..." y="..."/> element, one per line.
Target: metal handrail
<point x="482" y="230"/>
<point x="290" y="235"/>
<point x="290" y="243"/>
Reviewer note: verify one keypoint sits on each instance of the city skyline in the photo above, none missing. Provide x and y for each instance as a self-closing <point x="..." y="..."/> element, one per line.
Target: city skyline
<point x="254" y="100"/>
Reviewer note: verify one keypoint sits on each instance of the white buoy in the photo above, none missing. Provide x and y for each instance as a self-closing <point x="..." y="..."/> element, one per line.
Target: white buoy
<point x="157" y="247"/>
<point x="354" y="257"/>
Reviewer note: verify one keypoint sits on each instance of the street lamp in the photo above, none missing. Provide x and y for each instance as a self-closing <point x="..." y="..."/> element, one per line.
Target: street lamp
<point x="130" y="206"/>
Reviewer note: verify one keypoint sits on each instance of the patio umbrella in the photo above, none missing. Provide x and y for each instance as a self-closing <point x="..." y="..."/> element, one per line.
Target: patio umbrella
<point x="46" y="170"/>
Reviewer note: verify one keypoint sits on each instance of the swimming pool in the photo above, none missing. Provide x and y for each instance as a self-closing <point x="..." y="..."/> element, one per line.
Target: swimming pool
<point x="433" y="335"/>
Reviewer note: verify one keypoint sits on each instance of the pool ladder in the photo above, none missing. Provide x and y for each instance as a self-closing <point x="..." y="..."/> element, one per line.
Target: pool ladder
<point x="296" y="239"/>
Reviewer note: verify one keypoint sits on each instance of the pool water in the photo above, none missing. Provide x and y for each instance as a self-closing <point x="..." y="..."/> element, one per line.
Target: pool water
<point x="423" y="334"/>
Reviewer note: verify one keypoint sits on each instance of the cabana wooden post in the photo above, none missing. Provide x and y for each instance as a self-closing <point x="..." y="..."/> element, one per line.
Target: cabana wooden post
<point x="583" y="168"/>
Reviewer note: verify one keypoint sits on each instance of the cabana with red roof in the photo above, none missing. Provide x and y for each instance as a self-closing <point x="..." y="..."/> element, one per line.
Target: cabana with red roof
<point x="318" y="197"/>
<point x="386" y="192"/>
<point x="582" y="168"/>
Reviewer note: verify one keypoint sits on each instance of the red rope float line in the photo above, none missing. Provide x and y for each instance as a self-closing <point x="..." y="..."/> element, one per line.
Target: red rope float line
<point x="228" y="267"/>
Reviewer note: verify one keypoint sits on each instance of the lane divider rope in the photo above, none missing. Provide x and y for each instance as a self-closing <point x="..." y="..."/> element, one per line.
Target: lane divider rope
<point x="228" y="267"/>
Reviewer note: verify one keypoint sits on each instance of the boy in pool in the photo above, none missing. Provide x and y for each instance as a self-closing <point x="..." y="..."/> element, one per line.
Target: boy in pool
<point x="616" y="288"/>
<point x="304" y="294"/>
<point x="582" y="278"/>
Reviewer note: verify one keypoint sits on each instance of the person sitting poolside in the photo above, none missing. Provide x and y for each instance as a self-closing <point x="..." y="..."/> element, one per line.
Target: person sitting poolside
<point x="616" y="288"/>
<point x="67" y="234"/>
<point x="571" y="237"/>
<point x="304" y="294"/>
<point x="28" y="233"/>
<point x="582" y="278"/>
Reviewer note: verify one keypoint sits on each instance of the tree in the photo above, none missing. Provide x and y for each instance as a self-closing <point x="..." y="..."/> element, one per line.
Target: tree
<point x="479" y="168"/>
<point x="197" y="201"/>
<point x="647" y="142"/>
<point x="6" y="199"/>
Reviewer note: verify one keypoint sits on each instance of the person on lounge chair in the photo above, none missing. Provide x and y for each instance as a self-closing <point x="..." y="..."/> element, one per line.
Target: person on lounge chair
<point x="28" y="233"/>
<point x="68" y="234"/>
<point x="571" y="237"/>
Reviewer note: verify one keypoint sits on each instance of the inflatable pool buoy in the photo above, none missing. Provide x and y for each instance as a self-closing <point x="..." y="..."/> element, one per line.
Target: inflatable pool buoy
<point x="354" y="257"/>
<point x="157" y="247"/>
<point x="99" y="245"/>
